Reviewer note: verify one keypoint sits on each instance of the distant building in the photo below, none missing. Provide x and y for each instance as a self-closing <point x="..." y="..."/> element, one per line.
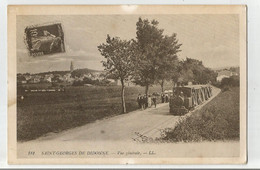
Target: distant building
<point x="97" y="76"/>
<point x="112" y="81"/>
<point x="47" y="78"/>
<point x="224" y="74"/>
<point x="129" y="83"/>
<point x="57" y="78"/>
<point x="67" y="77"/>
<point x="35" y="79"/>
<point x="27" y="77"/>
<point x="21" y="79"/>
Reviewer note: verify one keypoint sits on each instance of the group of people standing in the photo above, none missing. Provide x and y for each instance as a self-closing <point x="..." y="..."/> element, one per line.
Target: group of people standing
<point x="165" y="98"/>
<point x="146" y="101"/>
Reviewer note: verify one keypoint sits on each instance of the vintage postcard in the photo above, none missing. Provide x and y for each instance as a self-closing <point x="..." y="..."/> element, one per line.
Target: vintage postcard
<point x="127" y="84"/>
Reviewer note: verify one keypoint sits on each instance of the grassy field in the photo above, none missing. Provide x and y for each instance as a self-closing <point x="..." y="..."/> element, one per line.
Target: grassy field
<point x="40" y="113"/>
<point x="218" y="120"/>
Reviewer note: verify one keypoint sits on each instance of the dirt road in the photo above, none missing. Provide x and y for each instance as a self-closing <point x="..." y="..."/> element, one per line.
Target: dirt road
<point x="127" y="127"/>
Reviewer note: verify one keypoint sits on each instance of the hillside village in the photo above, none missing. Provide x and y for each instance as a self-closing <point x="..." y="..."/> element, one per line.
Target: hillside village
<point x="61" y="76"/>
<point x="73" y="77"/>
<point x="90" y="77"/>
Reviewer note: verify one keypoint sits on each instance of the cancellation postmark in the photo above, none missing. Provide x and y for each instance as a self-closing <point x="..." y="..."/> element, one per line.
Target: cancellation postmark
<point x="44" y="39"/>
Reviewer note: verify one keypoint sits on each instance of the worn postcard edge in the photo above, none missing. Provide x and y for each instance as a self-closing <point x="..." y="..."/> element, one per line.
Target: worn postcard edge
<point x="14" y="10"/>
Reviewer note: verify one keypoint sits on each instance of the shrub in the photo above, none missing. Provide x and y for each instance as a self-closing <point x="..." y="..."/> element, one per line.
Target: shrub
<point x="232" y="81"/>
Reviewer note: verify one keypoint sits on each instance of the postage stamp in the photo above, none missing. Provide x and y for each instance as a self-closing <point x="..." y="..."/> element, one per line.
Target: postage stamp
<point x="44" y="39"/>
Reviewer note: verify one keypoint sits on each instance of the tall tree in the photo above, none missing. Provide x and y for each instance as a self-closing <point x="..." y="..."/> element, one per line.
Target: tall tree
<point x="168" y="60"/>
<point x="148" y="38"/>
<point x="155" y="55"/>
<point x="118" y="63"/>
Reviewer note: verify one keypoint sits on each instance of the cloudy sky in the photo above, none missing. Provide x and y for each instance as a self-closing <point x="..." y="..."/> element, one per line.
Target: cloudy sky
<point x="214" y="39"/>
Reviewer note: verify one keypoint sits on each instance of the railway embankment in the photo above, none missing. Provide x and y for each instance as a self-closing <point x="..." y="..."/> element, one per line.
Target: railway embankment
<point x="217" y="120"/>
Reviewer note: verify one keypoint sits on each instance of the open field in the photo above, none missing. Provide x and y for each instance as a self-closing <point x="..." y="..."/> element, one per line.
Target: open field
<point x="41" y="113"/>
<point x="218" y="120"/>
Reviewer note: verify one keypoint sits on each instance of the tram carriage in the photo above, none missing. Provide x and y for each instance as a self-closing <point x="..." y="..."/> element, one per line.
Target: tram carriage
<point x="188" y="97"/>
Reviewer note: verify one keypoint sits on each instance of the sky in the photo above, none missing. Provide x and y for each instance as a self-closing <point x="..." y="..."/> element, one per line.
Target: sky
<point x="213" y="39"/>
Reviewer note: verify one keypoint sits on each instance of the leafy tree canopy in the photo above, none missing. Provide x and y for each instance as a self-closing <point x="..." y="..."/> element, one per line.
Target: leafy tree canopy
<point x="117" y="53"/>
<point x="155" y="54"/>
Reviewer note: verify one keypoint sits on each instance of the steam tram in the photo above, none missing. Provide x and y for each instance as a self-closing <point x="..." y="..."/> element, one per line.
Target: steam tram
<point x="187" y="98"/>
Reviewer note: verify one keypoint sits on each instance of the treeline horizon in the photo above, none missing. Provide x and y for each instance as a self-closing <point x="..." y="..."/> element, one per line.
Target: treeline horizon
<point x="58" y="71"/>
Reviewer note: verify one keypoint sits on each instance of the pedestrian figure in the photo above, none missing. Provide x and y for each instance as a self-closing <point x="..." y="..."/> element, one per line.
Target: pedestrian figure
<point x="181" y="95"/>
<point x="149" y="101"/>
<point x="162" y="97"/>
<point x="154" y="100"/>
<point x="145" y="101"/>
<point x="139" y="101"/>
<point x="166" y="98"/>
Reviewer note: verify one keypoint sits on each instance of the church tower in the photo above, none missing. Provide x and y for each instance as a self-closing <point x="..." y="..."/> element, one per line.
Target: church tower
<point x="71" y="66"/>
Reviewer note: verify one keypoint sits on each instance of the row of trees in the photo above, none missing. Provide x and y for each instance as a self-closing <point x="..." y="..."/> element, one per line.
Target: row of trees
<point x="148" y="59"/>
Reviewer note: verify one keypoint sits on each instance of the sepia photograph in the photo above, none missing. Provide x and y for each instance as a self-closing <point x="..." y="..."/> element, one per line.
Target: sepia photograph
<point x="127" y="84"/>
